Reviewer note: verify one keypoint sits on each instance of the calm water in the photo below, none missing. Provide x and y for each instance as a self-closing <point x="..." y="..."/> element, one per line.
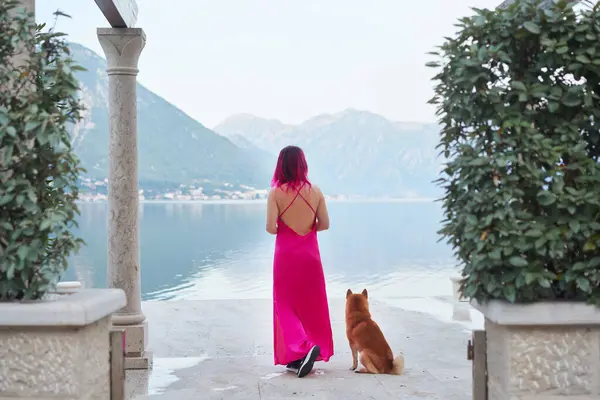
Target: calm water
<point x="221" y="251"/>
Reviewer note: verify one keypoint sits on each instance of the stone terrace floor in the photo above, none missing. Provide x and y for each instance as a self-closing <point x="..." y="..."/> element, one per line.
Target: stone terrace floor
<point x="223" y="350"/>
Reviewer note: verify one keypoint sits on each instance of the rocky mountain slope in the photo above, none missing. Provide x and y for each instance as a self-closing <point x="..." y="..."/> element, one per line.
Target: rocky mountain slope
<point x="352" y="152"/>
<point x="174" y="149"/>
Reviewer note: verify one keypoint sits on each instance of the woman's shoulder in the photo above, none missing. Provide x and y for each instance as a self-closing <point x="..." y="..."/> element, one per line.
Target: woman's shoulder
<point x="274" y="193"/>
<point x="284" y="190"/>
<point x="278" y="191"/>
<point x="316" y="188"/>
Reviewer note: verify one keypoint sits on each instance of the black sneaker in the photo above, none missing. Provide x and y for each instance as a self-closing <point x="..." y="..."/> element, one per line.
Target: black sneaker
<point x="309" y="361"/>
<point x="294" y="366"/>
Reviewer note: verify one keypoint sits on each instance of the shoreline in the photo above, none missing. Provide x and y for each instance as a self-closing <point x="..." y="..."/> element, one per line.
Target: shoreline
<point x="264" y="201"/>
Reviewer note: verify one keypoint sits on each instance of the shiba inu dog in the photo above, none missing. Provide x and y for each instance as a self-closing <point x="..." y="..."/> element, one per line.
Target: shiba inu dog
<point x="365" y="338"/>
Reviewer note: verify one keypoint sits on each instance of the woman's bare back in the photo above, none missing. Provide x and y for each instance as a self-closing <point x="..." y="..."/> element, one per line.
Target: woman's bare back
<point x="300" y="208"/>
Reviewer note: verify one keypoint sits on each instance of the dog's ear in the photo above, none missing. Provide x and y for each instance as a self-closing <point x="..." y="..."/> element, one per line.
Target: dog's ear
<point x="364" y="293"/>
<point x="348" y="293"/>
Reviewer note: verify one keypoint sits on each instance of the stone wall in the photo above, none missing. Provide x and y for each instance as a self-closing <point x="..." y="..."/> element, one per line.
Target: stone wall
<point x="543" y="362"/>
<point x="55" y="363"/>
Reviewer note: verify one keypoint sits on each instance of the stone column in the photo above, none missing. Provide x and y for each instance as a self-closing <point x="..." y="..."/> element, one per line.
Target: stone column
<point x="19" y="59"/>
<point x="25" y="5"/>
<point x="122" y="47"/>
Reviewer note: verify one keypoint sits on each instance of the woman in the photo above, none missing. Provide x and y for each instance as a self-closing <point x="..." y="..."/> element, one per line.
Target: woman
<point x="296" y="211"/>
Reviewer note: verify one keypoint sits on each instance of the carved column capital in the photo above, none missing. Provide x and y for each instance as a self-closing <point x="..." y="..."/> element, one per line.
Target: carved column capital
<point x="122" y="47"/>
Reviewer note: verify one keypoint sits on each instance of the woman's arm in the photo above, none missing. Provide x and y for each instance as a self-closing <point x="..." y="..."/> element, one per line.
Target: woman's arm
<point x="322" y="214"/>
<point x="272" y="213"/>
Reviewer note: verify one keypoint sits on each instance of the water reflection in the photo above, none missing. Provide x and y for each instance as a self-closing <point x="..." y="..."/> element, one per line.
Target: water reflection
<point x="221" y="251"/>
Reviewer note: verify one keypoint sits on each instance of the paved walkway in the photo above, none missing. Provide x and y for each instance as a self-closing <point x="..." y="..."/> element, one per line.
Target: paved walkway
<point x="223" y="350"/>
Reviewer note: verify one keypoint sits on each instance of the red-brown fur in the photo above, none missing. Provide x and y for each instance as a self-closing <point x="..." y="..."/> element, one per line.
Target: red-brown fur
<point x="365" y="337"/>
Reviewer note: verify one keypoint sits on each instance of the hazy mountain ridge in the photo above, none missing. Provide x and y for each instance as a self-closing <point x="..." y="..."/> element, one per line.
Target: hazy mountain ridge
<point x="173" y="148"/>
<point x="352" y="152"/>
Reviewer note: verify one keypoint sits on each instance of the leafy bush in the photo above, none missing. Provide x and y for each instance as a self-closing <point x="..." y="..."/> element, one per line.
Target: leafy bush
<point x="518" y="95"/>
<point x="38" y="170"/>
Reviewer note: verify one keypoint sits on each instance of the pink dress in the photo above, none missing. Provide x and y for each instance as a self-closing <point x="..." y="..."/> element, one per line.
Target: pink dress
<point x="300" y="308"/>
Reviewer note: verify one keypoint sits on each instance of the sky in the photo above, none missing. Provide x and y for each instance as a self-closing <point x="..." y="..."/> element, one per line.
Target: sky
<point x="283" y="59"/>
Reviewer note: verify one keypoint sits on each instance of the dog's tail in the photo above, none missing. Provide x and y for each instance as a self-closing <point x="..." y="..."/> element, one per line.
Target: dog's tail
<point x="398" y="365"/>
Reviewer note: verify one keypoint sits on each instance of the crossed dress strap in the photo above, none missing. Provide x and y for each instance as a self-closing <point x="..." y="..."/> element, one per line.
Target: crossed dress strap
<point x="294" y="200"/>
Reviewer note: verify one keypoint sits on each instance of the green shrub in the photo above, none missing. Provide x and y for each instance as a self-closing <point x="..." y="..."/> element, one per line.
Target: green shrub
<point x="38" y="170"/>
<point x="517" y="92"/>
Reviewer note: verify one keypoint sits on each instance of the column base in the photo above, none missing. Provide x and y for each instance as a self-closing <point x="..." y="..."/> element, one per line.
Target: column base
<point x="140" y="362"/>
<point x="461" y="312"/>
<point x="136" y="341"/>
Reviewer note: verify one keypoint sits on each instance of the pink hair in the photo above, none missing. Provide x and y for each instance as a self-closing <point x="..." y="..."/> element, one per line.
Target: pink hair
<point x="291" y="169"/>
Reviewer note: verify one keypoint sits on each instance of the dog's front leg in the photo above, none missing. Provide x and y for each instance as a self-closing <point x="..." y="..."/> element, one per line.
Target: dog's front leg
<point x="354" y="351"/>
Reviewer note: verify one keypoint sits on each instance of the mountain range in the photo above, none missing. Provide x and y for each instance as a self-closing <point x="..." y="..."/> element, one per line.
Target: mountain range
<point x="352" y="152"/>
<point x="174" y="149"/>
<point x="349" y="153"/>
